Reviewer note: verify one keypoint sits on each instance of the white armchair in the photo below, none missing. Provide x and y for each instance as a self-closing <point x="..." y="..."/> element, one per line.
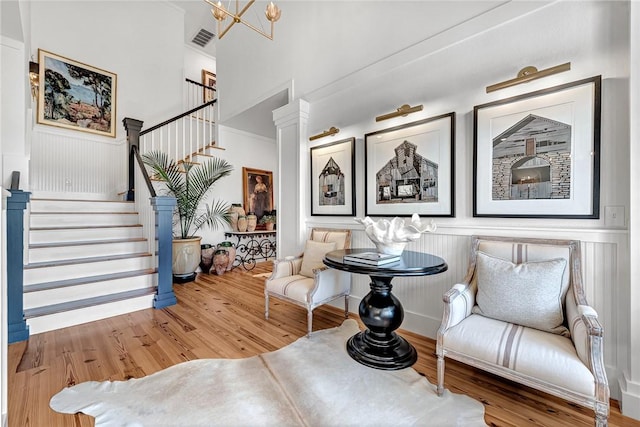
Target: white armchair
<point x="521" y="313"/>
<point x="305" y="281"/>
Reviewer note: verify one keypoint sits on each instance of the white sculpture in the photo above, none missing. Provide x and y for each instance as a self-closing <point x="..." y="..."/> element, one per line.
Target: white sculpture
<point x="390" y="237"/>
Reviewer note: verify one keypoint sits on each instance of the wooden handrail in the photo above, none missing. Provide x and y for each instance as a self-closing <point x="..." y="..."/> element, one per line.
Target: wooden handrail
<point x="178" y="117"/>
<point x="147" y="179"/>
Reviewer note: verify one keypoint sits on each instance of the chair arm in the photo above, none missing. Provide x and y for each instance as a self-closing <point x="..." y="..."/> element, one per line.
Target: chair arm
<point x="458" y="302"/>
<point x="328" y="283"/>
<point x="284" y="267"/>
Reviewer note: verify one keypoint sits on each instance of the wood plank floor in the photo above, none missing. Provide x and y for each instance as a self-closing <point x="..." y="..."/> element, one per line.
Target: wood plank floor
<point x="223" y="317"/>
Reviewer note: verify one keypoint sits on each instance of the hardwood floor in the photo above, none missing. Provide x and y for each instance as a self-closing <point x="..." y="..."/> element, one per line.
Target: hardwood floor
<point x="223" y="317"/>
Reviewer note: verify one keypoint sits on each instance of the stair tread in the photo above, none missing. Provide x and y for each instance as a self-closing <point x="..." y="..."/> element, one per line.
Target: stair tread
<point x="82" y="213"/>
<point x="85" y="242"/>
<point x="89" y="279"/>
<point x="48" y="199"/>
<point x="85" y="260"/>
<point x="87" y="302"/>
<point x="86" y="227"/>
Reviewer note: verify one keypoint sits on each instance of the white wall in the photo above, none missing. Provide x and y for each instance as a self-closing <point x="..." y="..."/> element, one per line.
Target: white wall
<point x="449" y="71"/>
<point x="195" y="61"/>
<point x="143" y="45"/>
<point x="241" y="149"/>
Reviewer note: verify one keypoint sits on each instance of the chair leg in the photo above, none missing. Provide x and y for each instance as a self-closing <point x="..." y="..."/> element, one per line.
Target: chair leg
<point x="602" y="414"/>
<point x="309" y="322"/>
<point x="346" y="306"/>
<point x="266" y="305"/>
<point x="440" y="367"/>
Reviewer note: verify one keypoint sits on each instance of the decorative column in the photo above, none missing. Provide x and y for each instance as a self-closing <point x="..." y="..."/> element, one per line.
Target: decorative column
<point x="164" y="206"/>
<point x="293" y="174"/>
<point x="630" y="379"/>
<point x="133" y="127"/>
<point x="18" y="330"/>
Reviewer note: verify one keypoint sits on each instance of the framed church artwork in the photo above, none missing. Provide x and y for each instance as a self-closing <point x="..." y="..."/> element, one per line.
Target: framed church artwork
<point x="76" y="96"/>
<point x="333" y="178"/>
<point x="537" y="155"/>
<point x="410" y="169"/>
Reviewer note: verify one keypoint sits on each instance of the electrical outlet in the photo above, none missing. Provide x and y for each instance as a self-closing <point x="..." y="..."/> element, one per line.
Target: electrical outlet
<point x="614" y="216"/>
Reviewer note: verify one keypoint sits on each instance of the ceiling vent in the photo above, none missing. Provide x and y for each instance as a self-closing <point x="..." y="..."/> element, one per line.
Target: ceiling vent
<point x="203" y="37"/>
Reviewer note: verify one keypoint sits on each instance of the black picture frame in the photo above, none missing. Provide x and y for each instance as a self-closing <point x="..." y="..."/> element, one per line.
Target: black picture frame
<point x="393" y="184"/>
<point x="537" y="155"/>
<point x="333" y="167"/>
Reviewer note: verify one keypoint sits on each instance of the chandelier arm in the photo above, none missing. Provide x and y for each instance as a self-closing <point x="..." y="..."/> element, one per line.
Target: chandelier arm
<point x="237" y="18"/>
<point x="257" y="30"/>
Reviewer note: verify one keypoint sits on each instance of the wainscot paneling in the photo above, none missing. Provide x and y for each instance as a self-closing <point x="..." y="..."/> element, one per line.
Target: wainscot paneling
<point x="604" y="273"/>
<point x="68" y="162"/>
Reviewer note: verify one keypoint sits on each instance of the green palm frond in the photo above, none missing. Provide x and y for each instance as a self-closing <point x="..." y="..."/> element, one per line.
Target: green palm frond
<point x="190" y="183"/>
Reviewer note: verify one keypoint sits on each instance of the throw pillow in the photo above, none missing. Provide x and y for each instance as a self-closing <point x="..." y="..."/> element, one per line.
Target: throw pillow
<point x="528" y="294"/>
<point x="313" y="255"/>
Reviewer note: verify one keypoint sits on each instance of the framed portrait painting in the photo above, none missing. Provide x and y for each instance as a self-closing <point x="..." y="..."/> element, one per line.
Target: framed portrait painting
<point x="333" y="178"/>
<point x="257" y="190"/>
<point x="209" y="82"/>
<point x="76" y="96"/>
<point x="410" y="169"/>
<point x="537" y="155"/>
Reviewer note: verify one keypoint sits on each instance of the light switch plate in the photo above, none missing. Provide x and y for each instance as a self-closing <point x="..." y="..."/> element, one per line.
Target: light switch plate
<point x="614" y="216"/>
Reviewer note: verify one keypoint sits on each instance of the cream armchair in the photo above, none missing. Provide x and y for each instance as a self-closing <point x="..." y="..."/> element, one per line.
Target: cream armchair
<point x="305" y="281"/>
<point x="521" y="313"/>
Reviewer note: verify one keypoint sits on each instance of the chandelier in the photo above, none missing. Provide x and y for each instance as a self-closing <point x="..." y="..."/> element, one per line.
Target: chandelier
<point x="272" y="13"/>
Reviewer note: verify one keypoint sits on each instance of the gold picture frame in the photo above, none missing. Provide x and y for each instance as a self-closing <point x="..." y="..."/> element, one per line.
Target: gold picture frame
<point x="76" y="96"/>
<point x="209" y="83"/>
<point x="257" y="191"/>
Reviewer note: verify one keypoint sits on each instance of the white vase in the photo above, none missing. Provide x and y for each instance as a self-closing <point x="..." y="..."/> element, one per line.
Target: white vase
<point x="186" y="258"/>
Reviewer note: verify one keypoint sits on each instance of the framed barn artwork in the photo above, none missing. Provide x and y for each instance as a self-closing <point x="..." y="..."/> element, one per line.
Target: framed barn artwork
<point x="537" y="155"/>
<point x="410" y="169"/>
<point x="333" y="178"/>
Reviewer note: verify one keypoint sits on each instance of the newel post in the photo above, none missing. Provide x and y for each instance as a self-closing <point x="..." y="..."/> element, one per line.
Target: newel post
<point x="133" y="127"/>
<point x="18" y="330"/>
<point x="164" y="207"/>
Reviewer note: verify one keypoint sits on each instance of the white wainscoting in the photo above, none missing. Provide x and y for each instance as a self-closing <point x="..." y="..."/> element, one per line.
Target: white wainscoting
<point x="604" y="264"/>
<point x="73" y="162"/>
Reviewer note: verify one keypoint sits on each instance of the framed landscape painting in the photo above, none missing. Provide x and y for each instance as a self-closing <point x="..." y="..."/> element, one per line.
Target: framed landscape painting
<point x="333" y="178"/>
<point x="410" y="169"/>
<point x="537" y="155"/>
<point x="76" y="96"/>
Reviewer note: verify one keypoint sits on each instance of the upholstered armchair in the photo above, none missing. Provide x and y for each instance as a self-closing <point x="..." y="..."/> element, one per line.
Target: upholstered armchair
<point x="521" y="313"/>
<point x="305" y="281"/>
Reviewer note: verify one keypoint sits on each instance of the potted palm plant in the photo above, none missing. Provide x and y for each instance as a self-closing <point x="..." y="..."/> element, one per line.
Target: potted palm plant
<point x="190" y="183"/>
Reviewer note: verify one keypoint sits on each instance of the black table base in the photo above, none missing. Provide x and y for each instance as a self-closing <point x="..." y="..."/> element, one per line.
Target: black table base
<point x="379" y="346"/>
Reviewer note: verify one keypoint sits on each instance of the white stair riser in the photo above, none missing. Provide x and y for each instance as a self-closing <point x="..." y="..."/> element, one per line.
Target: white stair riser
<point x="63" y="272"/>
<point x="86" y="251"/>
<point x="71" y="318"/>
<point x="75" y="219"/>
<point x="49" y="205"/>
<point x="75" y="235"/>
<point x="87" y="290"/>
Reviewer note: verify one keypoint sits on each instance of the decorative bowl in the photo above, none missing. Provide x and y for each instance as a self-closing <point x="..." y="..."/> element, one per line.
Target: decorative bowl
<point x="390" y="237"/>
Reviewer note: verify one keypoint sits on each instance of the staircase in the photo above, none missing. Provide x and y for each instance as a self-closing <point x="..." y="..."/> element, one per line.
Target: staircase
<point x="87" y="260"/>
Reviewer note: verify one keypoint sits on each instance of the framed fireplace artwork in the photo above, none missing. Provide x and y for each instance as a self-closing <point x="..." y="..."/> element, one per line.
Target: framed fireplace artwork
<point x="410" y="169"/>
<point x="257" y="190"/>
<point x="537" y="155"/>
<point x="333" y="178"/>
<point x="76" y="96"/>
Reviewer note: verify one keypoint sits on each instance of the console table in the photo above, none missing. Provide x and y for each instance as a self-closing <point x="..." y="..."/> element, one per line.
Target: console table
<point x="252" y="246"/>
<point x="379" y="346"/>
